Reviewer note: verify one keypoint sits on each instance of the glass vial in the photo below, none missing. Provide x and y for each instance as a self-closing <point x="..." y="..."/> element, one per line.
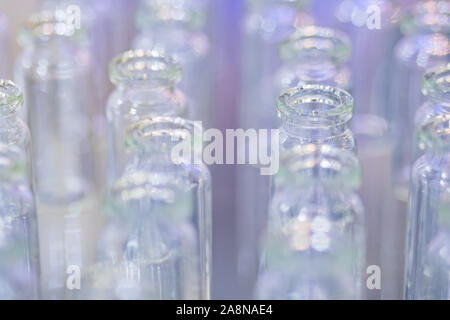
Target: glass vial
<point x="315" y="246"/>
<point x="55" y="71"/>
<point x="145" y="86"/>
<point x="19" y="246"/>
<point x="428" y="245"/>
<point x="157" y="243"/>
<point x="176" y="28"/>
<point x="425" y="45"/>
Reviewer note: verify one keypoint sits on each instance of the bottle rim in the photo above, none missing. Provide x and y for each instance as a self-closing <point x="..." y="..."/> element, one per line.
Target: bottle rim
<point x="11" y="97"/>
<point x="322" y="163"/>
<point x="328" y="103"/>
<point x="314" y="41"/>
<point x="145" y="67"/>
<point x="49" y="24"/>
<point x="436" y="83"/>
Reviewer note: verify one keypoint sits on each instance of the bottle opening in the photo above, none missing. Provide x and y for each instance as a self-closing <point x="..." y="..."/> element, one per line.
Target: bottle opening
<point x="47" y="25"/>
<point x="315" y="104"/>
<point x="145" y="67"/>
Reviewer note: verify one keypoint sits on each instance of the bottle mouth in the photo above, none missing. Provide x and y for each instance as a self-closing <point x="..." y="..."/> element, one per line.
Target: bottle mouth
<point x="145" y="67"/>
<point x="314" y="43"/>
<point x="47" y="25"/>
<point x="436" y="83"/>
<point x="190" y="13"/>
<point x="315" y="104"/>
<point x="11" y="97"/>
<point x="306" y="164"/>
<point x="430" y="15"/>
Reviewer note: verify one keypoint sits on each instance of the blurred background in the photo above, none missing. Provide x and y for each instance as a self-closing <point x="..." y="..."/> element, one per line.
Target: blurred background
<point x="236" y="60"/>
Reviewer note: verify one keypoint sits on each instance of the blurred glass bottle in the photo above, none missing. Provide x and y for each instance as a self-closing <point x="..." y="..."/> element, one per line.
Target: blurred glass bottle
<point x="428" y="244"/>
<point x="372" y="28"/>
<point x="157" y="243"/>
<point x="426" y="44"/>
<point x="316" y="55"/>
<point x="266" y="24"/>
<point x="54" y="70"/>
<point x="19" y="245"/>
<point x="315" y="246"/>
<point x="315" y="114"/>
<point x="176" y="29"/>
<point x="146" y="86"/>
<point x="311" y="55"/>
<point x="4" y="47"/>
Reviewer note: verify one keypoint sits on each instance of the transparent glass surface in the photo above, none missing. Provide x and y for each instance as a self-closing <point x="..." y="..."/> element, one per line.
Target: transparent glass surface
<point x="315" y="114"/>
<point x="4" y="47"/>
<point x="176" y="29"/>
<point x="54" y="70"/>
<point x="19" y="245"/>
<point x="314" y="55"/>
<point x="425" y="45"/>
<point x="146" y="86"/>
<point x="157" y="242"/>
<point x="315" y="246"/>
<point x="428" y="245"/>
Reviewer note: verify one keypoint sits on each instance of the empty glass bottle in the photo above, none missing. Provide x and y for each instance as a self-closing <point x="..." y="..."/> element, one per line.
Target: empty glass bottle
<point x="176" y="29"/>
<point x="146" y="86"/>
<point x="157" y="243"/>
<point x="315" y="246"/>
<point x="19" y="247"/>
<point x="55" y="71"/>
<point x="428" y="244"/>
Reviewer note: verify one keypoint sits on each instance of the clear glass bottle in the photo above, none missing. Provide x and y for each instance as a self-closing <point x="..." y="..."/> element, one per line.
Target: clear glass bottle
<point x="146" y="86"/>
<point x="176" y="29"/>
<point x="157" y="243"/>
<point x="55" y="72"/>
<point x="428" y="244"/>
<point x="19" y="245"/>
<point x="315" y="245"/>
<point x="4" y="48"/>
<point x="426" y="44"/>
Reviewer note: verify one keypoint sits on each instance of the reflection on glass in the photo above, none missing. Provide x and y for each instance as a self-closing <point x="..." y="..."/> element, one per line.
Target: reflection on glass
<point x="428" y="246"/>
<point x="54" y="70"/>
<point x="146" y="86"/>
<point x="19" y="255"/>
<point x="315" y="245"/>
<point x="157" y="242"/>
<point x="176" y="29"/>
<point x="4" y="47"/>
